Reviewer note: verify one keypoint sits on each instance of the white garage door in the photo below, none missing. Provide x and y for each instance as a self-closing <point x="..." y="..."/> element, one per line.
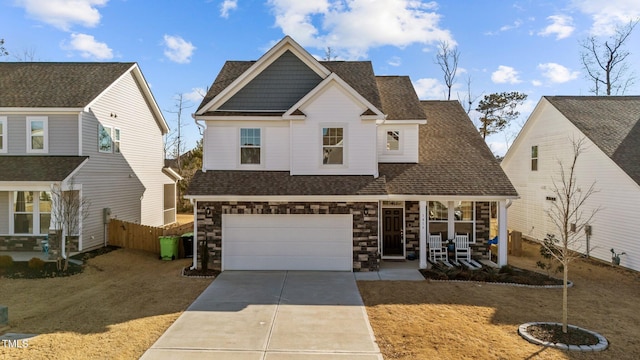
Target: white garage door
<point x="287" y="242"/>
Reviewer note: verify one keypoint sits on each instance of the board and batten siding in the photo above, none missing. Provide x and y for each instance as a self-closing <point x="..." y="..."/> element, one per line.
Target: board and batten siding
<point x="130" y="183"/>
<point x="62" y="134"/>
<point x="617" y="221"/>
<point x="222" y="145"/>
<point x="333" y="107"/>
<point x="408" y="152"/>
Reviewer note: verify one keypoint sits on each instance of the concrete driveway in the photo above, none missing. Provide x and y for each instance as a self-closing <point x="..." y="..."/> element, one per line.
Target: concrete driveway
<point x="272" y="315"/>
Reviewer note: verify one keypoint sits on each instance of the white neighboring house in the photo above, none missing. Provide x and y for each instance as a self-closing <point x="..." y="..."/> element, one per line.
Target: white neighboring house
<point x="611" y="127"/>
<point x="95" y="126"/>
<point x="322" y="165"/>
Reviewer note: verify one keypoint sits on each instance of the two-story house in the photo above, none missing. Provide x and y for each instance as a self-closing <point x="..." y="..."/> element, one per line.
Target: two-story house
<point x="322" y="165"/>
<point x="92" y="128"/>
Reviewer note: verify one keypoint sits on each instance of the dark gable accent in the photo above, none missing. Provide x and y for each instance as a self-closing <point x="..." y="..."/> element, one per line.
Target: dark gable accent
<point x="39" y="84"/>
<point x="38" y="168"/>
<point x="611" y="122"/>
<point x="278" y="87"/>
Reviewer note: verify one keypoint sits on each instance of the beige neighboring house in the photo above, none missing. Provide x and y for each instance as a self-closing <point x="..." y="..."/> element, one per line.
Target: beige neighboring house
<point x="322" y="165"/>
<point x="94" y="128"/>
<point x="610" y="126"/>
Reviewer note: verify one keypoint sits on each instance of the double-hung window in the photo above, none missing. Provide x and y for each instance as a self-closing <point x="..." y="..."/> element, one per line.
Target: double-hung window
<point x="31" y="212"/>
<point x="332" y="146"/>
<point x="250" y="146"/>
<point x="465" y="218"/>
<point x="37" y="134"/>
<point x="534" y="158"/>
<point x="116" y="140"/>
<point x="105" y="142"/>
<point x="393" y="141"/>
<point x="3" y="134"/>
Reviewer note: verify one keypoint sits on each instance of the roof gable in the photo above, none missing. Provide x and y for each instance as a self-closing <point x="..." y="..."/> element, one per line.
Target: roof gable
<point x="276" y="88"/>
<point x="612" y="123"/>
<point x="256" y="68"/>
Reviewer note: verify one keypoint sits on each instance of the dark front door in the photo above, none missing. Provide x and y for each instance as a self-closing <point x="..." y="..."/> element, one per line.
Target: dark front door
<point x="392" y="232"/>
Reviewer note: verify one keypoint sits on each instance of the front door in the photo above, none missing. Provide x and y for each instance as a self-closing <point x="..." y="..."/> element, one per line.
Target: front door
<point x="392" y="244"/>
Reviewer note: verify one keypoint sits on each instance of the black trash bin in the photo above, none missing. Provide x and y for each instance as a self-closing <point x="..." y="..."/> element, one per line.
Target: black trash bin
<point x="187" y="244"/>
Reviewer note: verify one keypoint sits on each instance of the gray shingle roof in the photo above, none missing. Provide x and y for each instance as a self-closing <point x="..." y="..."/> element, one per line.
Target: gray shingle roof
<point x="453" y="160"/>
<point x="41" y="84"/>
<point x="38" y="168"/>
<point x="611" y="122"/>
<point x="399" y="99"/>
<point x="242" y="183"/>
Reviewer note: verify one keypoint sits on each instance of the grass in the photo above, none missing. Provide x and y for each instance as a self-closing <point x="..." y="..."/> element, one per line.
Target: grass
<point x="115" y="309"/>
<point x="435" y="320"/>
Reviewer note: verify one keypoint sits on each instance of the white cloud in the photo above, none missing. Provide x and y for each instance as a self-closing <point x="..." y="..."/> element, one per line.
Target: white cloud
<point x="340" y="24"/>
<point x="227" y="6"/>
<point x="90" y="48"/>
<point x="607" y="14"/>
<point x="516" y="24"/>
<point x="430" y="89"/>
<point x="195" y="95"/>
<point x="505" y="74"/>
<point x="177" y="49"/>
<point x="64" y="13"/>
<point x="557" y="73"/>
<point x="536" y="82"/>
<point x="561" y="26"/>
<point x="395" y="61"/>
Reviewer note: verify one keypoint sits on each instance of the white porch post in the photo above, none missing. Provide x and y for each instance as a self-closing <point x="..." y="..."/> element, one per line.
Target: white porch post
<point x="503" y="236"/>
<point x="423" y="234"/>
<point x="195" y="234"/>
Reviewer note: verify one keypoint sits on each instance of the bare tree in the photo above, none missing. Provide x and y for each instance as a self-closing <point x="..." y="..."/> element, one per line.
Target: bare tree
<point x="27" y="55"/>
<point x="606" y="63"/>
<point x="173" y="141"/>
<point x="569" y="217"/>
<point x="329" y="54"/>
<point x="3" y="51"/>
<point x="447" y="57"/>
<point x="68" y="211"/>
<point x="468" y="99"/>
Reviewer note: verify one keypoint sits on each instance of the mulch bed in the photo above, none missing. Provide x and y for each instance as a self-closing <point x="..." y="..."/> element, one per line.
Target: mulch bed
<point x="553" y="333"/>
<point x="507" y="274"/>
<point x="199" y="272"/>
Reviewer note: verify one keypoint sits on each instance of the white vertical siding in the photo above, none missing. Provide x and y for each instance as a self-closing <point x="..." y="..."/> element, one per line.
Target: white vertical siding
<point x="333" y="107"/>
<point x="408" y="152"/>
<point x="617" y="223"/>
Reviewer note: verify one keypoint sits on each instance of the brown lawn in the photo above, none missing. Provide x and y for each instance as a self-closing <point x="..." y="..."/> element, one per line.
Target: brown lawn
<point x="116" y="309"/>
<point x="182" y="219"/>
<point x="429" y="320"/>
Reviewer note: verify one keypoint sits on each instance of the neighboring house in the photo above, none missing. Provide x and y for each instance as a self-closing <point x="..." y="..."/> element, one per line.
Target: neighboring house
<point x="321" y="165"/>
<point x="88" y="127"/>
<point x="610" y="126"/>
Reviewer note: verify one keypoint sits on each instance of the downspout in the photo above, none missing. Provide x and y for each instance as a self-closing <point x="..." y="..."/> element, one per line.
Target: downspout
<point x="201" y="128"/>
<point x="194" y="265"/>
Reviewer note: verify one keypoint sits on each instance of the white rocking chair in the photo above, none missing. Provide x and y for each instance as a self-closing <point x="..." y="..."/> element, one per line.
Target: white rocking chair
<point x="437" y="250"/>
<point x="463" y="251"/>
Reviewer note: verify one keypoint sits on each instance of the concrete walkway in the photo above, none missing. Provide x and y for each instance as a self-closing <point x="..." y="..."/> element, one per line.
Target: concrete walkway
<point x="272" y="315"/>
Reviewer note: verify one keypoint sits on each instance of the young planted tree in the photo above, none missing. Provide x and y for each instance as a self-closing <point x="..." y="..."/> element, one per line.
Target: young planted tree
<point x="447" y="57"/>
<point x="569" y="217"/>
<point x="3" y="51"/>
<point x="68" y="211"/>
<point x="606" y="63"/>
<point x="497" y="110"/>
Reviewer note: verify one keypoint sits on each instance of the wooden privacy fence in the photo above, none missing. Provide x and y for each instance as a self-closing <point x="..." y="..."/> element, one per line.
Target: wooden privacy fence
<point x="141" y="237"/>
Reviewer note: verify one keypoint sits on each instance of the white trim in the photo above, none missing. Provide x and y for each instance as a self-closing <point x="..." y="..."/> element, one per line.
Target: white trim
<point x="261" y="164"/>
<point x="287" y="43"/>
<point x="117" y="132"/>
<point x="45" y="134"/>
<point x="401" y="122"/>
<point x="345" y="145"/>
<point x="37" y="110"/>
<point x="80" y="138"/>
<point x="4" y="135"/>
<point x="402" y="232"/>
<point x="35" y="231"/>
<point x="324" y="84"/>
<point x="331" y="198"/>
<point x="73" y="173"/>
<point x="401" y="142"/>
<point x="105" y="127"/>
<point x="172" y="173"/>
<point x="241" y="118"/>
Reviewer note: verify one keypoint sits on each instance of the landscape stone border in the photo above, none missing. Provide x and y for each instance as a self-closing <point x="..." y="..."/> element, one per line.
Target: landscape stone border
<point x="569" y="284"/>
<point x="600" y="346"/>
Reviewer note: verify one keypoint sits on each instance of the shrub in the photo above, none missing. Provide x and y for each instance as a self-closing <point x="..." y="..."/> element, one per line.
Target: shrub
<point x="36" y="263"/>
<point x="5" y="261"/>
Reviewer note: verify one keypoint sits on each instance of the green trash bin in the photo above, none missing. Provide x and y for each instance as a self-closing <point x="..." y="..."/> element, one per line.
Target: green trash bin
<point x="168" y="247"/>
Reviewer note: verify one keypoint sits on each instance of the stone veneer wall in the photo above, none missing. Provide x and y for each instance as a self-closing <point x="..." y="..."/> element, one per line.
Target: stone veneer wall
<point x="483" y="219"/>
<point x="365" y="228"/>
<point x="21" y="242"/>
<point x="412" y="227"/>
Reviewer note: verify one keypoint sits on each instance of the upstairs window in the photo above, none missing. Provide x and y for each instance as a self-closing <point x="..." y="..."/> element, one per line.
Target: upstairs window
<point x="3" y="134"/>
<point x="116" y="140"/>
<point x="332" y="146"/>
<point x="393" y="140"/>
<point x="250" y="143"/>
<point x="534" y="158"/>
<point x="105" y="143"/>
<point x="37" y="134"/>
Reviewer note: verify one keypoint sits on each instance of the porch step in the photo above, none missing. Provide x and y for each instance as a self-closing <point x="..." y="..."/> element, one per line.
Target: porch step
<point x="472" y="265"/>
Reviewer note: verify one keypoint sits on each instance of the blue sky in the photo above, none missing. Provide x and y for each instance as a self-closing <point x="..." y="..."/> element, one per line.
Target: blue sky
<point x="531" y="46"/>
